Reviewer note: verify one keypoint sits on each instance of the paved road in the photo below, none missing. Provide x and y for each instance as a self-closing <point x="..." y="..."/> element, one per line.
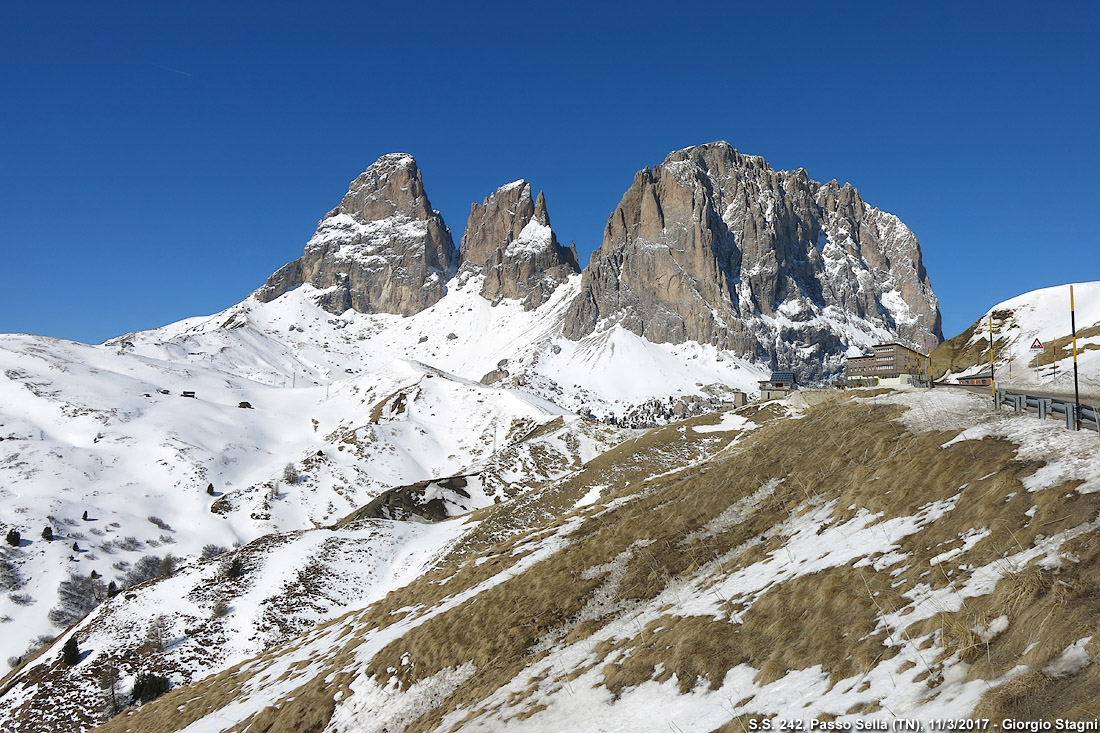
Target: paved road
<point x="1088" y="399"/>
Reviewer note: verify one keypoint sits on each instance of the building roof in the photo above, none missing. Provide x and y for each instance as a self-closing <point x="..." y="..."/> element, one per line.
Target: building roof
<point x="782" y="377"/>
<point x="895" y="343"/>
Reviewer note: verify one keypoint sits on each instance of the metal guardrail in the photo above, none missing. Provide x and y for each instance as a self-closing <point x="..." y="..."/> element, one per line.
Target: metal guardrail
<point x="1049" y="407"/>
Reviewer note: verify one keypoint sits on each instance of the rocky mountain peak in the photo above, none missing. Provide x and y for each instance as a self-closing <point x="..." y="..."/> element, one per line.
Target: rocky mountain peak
<point x="391" y="186"/>
<point x="715" y="246"/>
<point x="509" y="241"/>
<point x="382" y="250"/>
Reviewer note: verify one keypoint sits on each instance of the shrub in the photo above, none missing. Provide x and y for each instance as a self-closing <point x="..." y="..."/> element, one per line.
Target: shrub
<point x="160" y="523"/>
<point x="47" y="533"/>
<point x="77" y="597"/>
<point x="290" y="474"/>
<point x="20" y="599"/>
<point x="129" y="544"/>
<point x="70" y="653"/>
<point x="10" y="578"/>
<point x="220" y="610"/>
<point x="210" y="489"/>
<point x="13" y="537"/>
<point x="166" y="567"/>
<point x="209" y="552"/>
<point x="148" y="686"/>
<point x="144" y="569"/>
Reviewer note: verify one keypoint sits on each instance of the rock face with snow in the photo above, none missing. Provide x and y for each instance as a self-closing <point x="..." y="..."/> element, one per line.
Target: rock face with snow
<point x="716" y="247"/>
<point x="382" y="250"/>
<point x="508" y="239"/>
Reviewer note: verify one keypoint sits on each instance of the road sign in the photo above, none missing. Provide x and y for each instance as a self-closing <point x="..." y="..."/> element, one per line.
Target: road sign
<point x="1036" y="345"/>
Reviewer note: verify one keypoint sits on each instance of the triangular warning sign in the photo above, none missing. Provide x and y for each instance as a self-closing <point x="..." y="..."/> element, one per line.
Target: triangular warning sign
<point x="1037" y="345"/>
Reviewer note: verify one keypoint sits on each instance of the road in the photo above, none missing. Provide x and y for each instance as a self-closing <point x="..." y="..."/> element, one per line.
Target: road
<point x="1087" y="399"/>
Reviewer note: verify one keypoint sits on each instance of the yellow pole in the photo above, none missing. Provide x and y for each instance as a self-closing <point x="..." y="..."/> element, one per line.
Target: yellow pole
<point x="1076" y="389"/>
<point x="992" y="381"/>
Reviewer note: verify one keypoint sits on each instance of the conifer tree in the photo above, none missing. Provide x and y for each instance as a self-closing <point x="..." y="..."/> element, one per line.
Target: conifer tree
<point x="70" y="653"/>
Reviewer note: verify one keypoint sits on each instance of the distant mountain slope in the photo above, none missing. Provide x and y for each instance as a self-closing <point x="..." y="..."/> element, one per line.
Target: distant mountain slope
<point x="1041" y="314"/>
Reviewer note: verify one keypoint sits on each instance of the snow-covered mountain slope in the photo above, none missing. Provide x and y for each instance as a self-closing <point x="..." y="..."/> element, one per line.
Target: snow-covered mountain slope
<point x="911" y="554"/>
<point x="1041" y="314"/>
<point x="206" y="618"/>
<point x="105" y="433"/>
<point x="290" y="581"/>
<point x="291" y="340"/>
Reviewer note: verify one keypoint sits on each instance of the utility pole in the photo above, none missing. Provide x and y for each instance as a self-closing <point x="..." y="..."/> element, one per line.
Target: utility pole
<point x="1076" y="389"/>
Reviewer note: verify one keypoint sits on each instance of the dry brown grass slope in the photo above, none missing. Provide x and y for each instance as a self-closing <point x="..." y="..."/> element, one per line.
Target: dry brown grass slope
<point x="658" y="541"/>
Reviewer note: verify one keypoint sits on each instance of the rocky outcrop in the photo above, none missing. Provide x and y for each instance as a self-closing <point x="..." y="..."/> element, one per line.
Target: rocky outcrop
<point x="716" y="247"/>
<point x="509" y="241"/>
<point x="382" y="250"/>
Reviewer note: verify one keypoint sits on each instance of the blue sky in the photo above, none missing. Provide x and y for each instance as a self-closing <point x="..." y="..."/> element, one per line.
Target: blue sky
<point x="159" y="160"/>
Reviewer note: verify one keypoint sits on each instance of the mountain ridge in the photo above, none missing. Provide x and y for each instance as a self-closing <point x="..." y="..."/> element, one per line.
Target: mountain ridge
<point x="772" y="266"/>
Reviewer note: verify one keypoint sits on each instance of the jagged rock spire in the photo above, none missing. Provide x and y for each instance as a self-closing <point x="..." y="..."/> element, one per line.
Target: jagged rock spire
<point x="508" y="239"/>
<point x="382" y="250"/>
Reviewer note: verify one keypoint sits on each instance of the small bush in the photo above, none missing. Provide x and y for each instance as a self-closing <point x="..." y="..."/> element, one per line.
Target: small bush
<point x="144" y="569"/>
<point x="160" y="523"/>
<point x="77" y="597"/>
<point x="47" y="533"/>
<point x="10" y="577"/>
<point x="148" y="686"/>
<point x="167" y="567"/>
<point x="209" y="552"/>
<point x="129" y="544"/>
<point x="210" y="489"/>
<point x="220" y="610"/>
<point x="13" y="537"/>
<point x="20" y="599"/>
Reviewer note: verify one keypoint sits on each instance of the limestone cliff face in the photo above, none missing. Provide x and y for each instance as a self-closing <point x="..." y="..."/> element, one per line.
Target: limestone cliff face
<point x="716" y="247"/>
<point x="382" y="250"/>
<point x="509" y="241"/>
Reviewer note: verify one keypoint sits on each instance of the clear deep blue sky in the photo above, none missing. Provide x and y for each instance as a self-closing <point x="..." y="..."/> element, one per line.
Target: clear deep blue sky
<point x="160" y="160"/>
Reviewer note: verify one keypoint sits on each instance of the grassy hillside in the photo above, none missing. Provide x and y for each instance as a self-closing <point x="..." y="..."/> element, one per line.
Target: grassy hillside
<point x="857" y="557"/>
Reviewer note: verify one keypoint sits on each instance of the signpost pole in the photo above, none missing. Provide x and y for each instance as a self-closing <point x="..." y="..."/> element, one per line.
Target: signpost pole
<point x="992" y="380"/>
<point x="1076" y="389"/>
